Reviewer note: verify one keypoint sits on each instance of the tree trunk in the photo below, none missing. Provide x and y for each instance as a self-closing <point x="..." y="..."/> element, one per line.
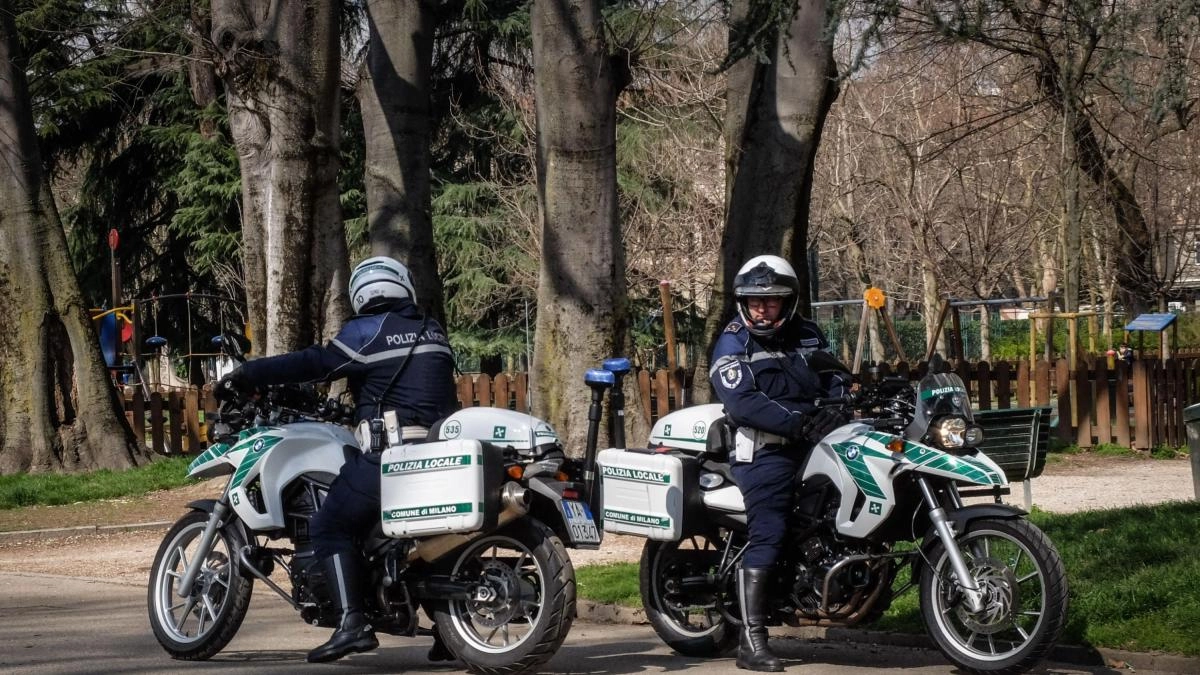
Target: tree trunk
<point x="774" y="114"/>
<point x="931" y="305"/>
<point x="59" y="409"/>
<point x="393" y="94"/>
<point x="582" y="313"/>
<point x="280" y="62"/>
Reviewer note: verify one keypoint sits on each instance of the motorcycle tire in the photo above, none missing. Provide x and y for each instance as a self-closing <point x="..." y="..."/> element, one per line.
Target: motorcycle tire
<point x="196" y="627"/>
<point x="668" y="606"/>
<point x="1025" y="588"/>
<point x="530" y="585"/>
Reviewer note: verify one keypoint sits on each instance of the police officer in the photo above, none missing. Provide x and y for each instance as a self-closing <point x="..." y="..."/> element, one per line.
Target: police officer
<point x="764" y="374"/>
<point x="394" y="358"/>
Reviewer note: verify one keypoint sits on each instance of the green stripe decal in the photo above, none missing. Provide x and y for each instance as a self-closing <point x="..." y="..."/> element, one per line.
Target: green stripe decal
<point x="425" y="512"/>
<point x="213" y="452"/>
<point x="258" y="447"/>
<point x="637" y="475"/>
<point x="853" y="458"/>
<point x="406" y="466"/>
<point x="642" y="519"/>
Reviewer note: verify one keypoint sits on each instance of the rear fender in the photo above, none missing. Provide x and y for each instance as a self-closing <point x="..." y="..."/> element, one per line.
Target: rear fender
<point x="545" y="504"/>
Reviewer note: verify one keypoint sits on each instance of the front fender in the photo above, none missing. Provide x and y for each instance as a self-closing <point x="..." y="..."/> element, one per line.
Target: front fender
<point x="959" y="520"/>
<point x="208" y="505"/>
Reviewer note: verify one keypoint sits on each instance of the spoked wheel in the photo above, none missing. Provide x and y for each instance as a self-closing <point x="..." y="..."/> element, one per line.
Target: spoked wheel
<point x="1025" y="598"/>
<point x="685" y="596"/>
<point x="522" y="603"/>
<point x="201" y="623"/>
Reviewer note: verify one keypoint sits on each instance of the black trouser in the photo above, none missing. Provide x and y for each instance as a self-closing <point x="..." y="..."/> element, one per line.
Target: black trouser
<point x="350" y="509"/>
<point x="767" y="485"/>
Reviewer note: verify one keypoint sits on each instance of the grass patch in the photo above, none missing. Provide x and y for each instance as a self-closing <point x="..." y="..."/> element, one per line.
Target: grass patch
<point x="615" y="583"/>
<point x="1134" y="576"/>
<point x="50" y="489"/>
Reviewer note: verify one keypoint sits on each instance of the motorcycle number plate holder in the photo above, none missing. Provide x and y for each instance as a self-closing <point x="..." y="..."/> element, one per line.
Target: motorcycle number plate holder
<point x="580" y="522"/>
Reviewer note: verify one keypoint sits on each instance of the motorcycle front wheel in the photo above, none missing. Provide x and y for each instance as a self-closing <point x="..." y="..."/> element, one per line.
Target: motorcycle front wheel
<point x="200" y="624"/>
<point x="1025" y="598"/>
<point x="522" y="604"/>
<point x="683" y="595"/>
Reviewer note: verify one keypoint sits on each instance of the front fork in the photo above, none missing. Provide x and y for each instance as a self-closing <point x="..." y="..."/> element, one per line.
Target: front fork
<point x="215" y="520"/>
<point x="971" y="593"/>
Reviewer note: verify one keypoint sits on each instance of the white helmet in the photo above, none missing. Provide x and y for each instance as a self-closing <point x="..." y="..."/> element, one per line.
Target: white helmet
<point x="380" y="277"/>
<point x="766" y="276"/>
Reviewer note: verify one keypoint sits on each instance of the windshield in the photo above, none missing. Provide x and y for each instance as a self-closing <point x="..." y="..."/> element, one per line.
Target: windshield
<point x="938" y="395"/>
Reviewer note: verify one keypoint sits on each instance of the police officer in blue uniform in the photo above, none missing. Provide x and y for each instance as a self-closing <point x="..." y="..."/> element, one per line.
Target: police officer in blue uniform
<point x="764" y="374"/>
<point x="394" y="358"/>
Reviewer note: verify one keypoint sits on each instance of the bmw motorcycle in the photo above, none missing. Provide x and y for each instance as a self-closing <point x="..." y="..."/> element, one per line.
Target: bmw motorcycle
<point x="474" y="528"/>
<point x="879" y="508"/>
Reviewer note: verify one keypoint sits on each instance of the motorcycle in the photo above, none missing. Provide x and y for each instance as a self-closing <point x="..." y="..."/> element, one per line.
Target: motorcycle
<point x="474" y="530"/>
<point x="875" y="497"/>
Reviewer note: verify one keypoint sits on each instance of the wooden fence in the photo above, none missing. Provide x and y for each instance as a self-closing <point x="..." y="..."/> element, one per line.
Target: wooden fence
<point x="1139" y="407"/>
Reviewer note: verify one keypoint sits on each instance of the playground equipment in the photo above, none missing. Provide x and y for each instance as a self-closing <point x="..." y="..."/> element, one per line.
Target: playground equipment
<point x="150" y="363"/>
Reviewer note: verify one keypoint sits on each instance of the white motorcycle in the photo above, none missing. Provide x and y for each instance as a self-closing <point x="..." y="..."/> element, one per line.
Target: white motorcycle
<point x="875" y="496"/>
<point x="473" y="530"/>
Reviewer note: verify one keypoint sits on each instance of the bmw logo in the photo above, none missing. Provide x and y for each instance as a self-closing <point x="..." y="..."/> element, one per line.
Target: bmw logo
<point x="852" y="453"/>
<point x="258" y="445"/>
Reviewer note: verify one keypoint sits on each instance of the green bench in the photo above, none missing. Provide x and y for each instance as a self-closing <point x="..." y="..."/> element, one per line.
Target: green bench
<point x="1017" y="439"/>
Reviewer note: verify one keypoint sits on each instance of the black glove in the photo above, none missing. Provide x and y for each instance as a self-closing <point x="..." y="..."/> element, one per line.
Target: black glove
<point x="233" y="385"/>
<point x="824" y="420"/>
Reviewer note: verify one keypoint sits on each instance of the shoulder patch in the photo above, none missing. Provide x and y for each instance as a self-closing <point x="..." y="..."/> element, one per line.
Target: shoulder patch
<point x="733" y="327"/>
<point x="731" y="375"/>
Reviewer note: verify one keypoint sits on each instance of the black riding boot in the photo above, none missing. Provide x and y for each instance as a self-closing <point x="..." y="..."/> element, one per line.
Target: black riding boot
<point x="753" y="653"/>
<point x="344" y="574"/>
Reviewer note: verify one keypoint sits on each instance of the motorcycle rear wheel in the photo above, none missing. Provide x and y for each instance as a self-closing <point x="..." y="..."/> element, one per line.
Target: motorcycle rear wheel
<point x="692" y="621"/>
<point x="196" y="627"/>
<point x="1025" y="590"/>
<point x="524" y="605"/>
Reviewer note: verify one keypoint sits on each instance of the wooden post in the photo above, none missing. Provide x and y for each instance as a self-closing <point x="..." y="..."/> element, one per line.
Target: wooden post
<point x="858" y="346"/>
<point x="156" y="423"/>
<point x="956" y="321"/>
<point x="887" y="321"/>
<point x="1072" y="343"/>
<point x="1141" y="405"/>
<point x="1066" y="411"/>
<point x="664" y="292"/>
<point x="937" y="331"/>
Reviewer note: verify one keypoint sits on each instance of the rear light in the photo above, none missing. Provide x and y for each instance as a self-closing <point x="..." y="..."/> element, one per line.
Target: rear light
<point x="570" y="494"/>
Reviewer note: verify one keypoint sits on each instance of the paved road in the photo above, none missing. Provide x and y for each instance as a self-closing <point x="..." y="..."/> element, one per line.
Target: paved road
<point x="57" y="625"/>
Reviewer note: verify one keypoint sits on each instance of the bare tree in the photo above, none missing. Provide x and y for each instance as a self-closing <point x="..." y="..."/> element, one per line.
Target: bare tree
<point x="581" y="289"/>
<point x="60" y="410"/>
<point x="280" y="63"/>
<point x="394" y="96"/>
<point x="775" y="110"/>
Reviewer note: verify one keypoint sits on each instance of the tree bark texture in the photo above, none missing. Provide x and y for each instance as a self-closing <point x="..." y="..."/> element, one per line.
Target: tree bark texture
<point x="280" y="64"/>
<point x="773" y="120"/>
<point x="394" y="96"/>
<point x="59" y="410"/>
<point x="582" y="314"/>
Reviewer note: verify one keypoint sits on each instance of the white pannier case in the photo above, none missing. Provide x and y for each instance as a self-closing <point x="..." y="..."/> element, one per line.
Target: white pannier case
<point x="642" y="492"/>
<point x="433" y="488"/>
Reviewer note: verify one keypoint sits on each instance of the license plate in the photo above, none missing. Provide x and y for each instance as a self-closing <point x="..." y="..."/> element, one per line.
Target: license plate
<point x="579" y="522"/>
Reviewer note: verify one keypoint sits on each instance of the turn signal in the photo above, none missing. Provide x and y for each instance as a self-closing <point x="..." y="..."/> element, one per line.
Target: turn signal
<point x="562" y="477"/>
<point x="896" y="445"/>
<point x="515" y="471"/>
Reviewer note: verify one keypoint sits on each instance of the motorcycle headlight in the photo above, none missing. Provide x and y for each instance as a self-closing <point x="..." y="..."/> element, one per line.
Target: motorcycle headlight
<point x="951" y="432"/>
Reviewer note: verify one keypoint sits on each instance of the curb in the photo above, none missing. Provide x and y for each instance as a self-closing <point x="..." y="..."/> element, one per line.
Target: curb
<point x="1117" y="659"/>
<point x="59" y="532"/>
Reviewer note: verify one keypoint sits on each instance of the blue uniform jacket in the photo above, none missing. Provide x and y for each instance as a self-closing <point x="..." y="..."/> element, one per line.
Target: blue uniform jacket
<point x="768" y="384"/>
<point x="367" y="351"/>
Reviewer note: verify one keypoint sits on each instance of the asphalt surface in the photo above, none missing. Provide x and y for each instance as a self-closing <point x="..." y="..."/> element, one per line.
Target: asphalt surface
<point x="61" y="625"/>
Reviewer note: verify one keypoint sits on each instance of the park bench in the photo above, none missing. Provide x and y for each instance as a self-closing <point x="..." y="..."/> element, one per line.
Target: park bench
<point x="1016" y="439"/>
